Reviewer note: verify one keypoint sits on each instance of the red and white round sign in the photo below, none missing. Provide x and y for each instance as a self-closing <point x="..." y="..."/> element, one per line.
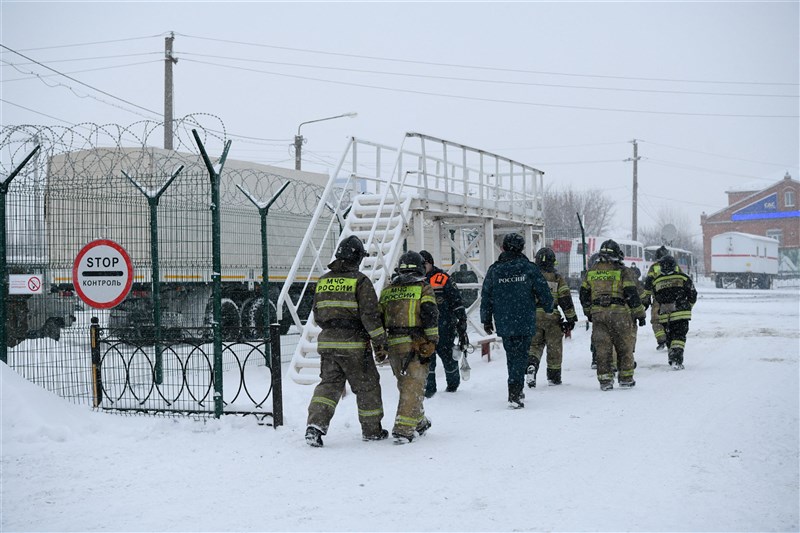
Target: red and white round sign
<point x="102" y="274"/>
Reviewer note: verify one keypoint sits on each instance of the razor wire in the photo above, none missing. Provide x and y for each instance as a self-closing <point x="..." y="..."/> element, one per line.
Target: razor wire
<point x="87" y="161"/>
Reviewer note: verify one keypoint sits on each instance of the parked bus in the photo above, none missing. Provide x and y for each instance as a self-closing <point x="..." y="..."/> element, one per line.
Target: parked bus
<point x="684" y="258"/>
<point x="632" y="250"/>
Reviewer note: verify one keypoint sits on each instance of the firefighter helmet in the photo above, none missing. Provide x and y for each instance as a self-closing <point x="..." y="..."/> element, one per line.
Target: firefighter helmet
<point x="545" y="259"/>
<point x="610" y="250"/>
<point x="351" y="249"/>
<point x="411" y="262"/>
<point x="668" y="264"/>
<point x="513" y="242"/>
<point x="662" y="252"/>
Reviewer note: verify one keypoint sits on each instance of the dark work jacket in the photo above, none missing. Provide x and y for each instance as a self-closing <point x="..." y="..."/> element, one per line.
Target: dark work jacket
<point x="448" y="298"/>
<point x="346" y="308"/>
<point x="511" y="288"/>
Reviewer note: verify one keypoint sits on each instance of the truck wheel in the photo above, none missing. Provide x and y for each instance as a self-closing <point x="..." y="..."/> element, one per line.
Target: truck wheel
<point x="718" y="282"/>
<point x="231" y="323"/>
<point x="253" y="319"/>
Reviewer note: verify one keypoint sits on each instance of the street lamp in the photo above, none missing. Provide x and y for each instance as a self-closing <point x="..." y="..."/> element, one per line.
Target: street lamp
<point x="298" y="139"/>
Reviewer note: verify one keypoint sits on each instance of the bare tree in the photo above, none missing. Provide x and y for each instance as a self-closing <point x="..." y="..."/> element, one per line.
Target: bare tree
<point x="670" y="214"/>
<point x="560" y="206"/>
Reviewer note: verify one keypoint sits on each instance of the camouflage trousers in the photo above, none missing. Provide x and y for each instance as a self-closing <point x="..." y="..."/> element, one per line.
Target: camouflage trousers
<point x="658" y="328"/>
<point x="410" y="411"/>
<point x="611" y="330"/>
<point x="548" y="335"/>
<point x="634" y="333"/>
<point x="362" y="375"/>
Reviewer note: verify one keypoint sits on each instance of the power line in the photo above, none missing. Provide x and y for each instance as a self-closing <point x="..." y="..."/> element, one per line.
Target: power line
<point x="563" y="146"/>
<point x="718" y="155"/>
<point x="495" y="69"/>
<point x="35" y="75"/>
<point x="117" y="56"/>
<point x="580" y="162"/>
<point x="93" y="42"/>
<point x="702" y="169"/>
<point x="493" y="81"/>
<point x="73" y="91"/>
<point x="37" y="112"/>
<point x="80" y="82"/>
<point x="494" y="100"/>
<point x="681" y="201"/>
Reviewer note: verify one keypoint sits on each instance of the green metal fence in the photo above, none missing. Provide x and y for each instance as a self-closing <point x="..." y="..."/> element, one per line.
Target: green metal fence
<point x="191" y="335"/>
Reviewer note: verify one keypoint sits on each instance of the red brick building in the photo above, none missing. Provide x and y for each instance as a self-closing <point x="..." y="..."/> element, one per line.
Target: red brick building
<point x="772" y="212"/>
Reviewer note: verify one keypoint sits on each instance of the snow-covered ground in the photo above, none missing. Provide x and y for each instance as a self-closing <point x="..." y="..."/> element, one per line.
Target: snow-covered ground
<point x="711" y="448"/>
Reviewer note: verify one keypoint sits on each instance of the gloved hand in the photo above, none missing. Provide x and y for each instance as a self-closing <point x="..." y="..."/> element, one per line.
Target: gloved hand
<point x="488" y="328"/>
<point x="642" y="321"/>
<point x="463" y="340"/>
<point x="381" y="353"/>
<point x="646" y="302"/>
<point x="570" y="324"/>
<point x="588" y="317"/>
<point x="424" y="360"/>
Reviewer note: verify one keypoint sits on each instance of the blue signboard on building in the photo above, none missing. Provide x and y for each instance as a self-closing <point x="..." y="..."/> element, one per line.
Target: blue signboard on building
<point x="764" y="208"/>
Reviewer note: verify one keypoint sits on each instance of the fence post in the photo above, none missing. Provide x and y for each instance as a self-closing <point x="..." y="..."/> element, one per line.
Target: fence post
<point x="263" y="211"/>
<point x="216" y="260"/>
<point x="152" y="201"/>
<point x="275" y="371"/>
<point x="97" y="376"/>
<point x="3" y="265"/>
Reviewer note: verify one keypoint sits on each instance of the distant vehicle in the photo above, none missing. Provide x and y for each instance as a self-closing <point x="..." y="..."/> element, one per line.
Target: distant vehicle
<point x="632" y="250"/>
<point x="684" y="258"/>
<point x="743" y="260"/>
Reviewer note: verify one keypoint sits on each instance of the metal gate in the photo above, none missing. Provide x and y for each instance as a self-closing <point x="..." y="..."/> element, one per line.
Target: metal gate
<point x="192" y="336"/>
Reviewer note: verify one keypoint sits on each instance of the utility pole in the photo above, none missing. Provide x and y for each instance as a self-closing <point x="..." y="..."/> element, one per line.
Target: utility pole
<point x="298" y="147"/>
<point x="169" y="60"/>
<point x="635" y="202"/>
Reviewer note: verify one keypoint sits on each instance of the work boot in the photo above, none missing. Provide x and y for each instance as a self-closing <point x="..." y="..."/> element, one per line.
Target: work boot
<point x="627" y="383"/>
<point x="661" y="345"/>
<point x="530" y="373"/>
<point x="430" y="393"/>
<point x="676" y="358"/>
<point x="382" y="434"/>
<point x="402" y="439"/>
<point x="424" y="426"/>
<point x="554" y="376"/>
<point x="314" y="437"/>
<point x="451" y="388"/>
<point x="515" y="397"/>
<point x="606" y="385"/>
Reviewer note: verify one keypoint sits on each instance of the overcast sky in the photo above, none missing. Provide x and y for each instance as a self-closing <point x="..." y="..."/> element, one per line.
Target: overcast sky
<point x="709" y="89"/>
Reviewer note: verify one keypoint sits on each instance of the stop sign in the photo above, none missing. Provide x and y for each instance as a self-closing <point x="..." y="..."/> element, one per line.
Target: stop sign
<point x="102" y="274"/>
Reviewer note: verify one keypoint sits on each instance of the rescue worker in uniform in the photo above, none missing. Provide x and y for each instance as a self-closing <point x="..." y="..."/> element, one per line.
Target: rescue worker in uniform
<point x="346" y="308"/>
<point x="509" y="296"/>
<point x="634" y="327"/>
<point x="411" y="318"/>
<point x="676" y="295"/>
<point x="452" y="321"/>
<point x="609" y="298"/>
<point x="550" y="329"/>
<point x="652" y="272"/>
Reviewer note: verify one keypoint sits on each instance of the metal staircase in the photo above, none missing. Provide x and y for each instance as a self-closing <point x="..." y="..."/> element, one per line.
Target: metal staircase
<point x="427" y="194"/>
